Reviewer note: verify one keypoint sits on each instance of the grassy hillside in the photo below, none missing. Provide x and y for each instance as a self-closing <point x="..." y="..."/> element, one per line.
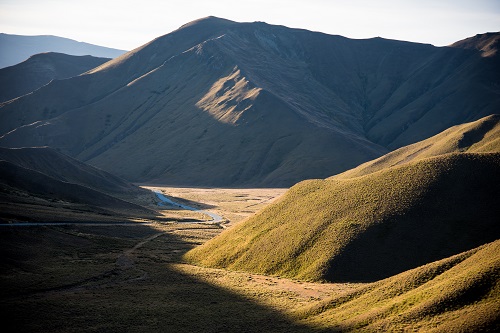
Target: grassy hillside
<point x="457" y="294"/>
<point x="479" y="136"/>
<point x="370" y="227"/>
<point x="373" y="226"/>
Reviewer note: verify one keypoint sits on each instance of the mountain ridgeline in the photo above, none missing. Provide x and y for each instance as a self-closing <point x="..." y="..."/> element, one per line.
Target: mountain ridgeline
<point x="15" y="49"/>
<point x="223" y="103"/>
<point x="40" y="69"/>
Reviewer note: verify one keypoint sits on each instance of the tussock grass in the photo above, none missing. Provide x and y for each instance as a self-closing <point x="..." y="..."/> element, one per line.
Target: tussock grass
<point x="369" y="227"/>
<point x="457" y="294"/>
<point x="479" y="136"/>
<point x="399" y="220"/>
<point x="111" y="278"/>
<point x="377" y="220"/>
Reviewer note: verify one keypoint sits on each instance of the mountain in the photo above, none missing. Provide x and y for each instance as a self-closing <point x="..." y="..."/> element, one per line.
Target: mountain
<point x="377" y="220"/>
<point x="40" y="69"/>
<point x="17" y="48"/>
<point x="457" y="294"/>
<point x="66" y="169"/>
<point x="221" y="103"/>
<point x="487" y="43"/>
<point x="40" y="184"/>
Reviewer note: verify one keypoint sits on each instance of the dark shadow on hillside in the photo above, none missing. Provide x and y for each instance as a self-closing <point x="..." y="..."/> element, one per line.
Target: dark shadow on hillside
<point x="471" y="137"/>
<point x="79" y="279"/>
<point x="452" y="217"/>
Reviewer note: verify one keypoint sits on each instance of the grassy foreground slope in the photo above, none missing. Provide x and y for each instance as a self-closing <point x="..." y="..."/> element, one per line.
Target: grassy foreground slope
<point x="369" y="227"/>
<point x="457" y="294"/>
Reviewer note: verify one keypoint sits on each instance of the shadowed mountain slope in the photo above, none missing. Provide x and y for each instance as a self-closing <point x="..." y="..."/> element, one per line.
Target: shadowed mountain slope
<point x="373" y="226"/>
<point x="66" y="169"/>
<point x="457" y="294"/>
<point x="223" y="103"/>
<point x="17" y="48"/>
<point x="40" y="184"/>
<point x="40" y="69"/>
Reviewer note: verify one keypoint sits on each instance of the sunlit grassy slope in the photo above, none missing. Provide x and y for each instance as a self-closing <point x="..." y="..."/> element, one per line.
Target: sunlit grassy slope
<point x="457" y="294"/>
<point x="482" y="135"/>
<point x="376" y="225"/>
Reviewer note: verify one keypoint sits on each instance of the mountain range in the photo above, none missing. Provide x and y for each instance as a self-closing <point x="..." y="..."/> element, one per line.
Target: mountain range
<point x="15" y="49"/>
<point x="218" y="102"/>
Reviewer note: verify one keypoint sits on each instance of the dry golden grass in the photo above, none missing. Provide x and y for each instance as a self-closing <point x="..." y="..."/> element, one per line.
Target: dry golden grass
<point x="456" y="294"/>
<point x="422" y="203"/>
<point x="234" y="204"/>
<point x="87" y="279"/>
<point x="481" y="136"/>
<point x="369" y="227"/>
<point x="113" y="279"/>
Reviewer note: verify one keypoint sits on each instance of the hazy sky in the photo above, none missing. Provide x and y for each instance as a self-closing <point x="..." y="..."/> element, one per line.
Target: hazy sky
<point x="129" y="24"/>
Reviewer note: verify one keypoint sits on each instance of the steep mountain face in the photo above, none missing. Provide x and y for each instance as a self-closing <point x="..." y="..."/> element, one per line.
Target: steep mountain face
<point x="40" y="69"/>
<point x="371" y="223"/>
<point x="223" y="103"/>
<point x="15" y="49"/>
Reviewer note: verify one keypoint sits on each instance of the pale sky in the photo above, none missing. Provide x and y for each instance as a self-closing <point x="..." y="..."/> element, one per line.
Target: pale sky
<point x="129" y="24"/>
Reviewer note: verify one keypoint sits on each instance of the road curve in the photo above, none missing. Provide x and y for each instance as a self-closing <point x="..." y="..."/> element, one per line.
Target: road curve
<point x="215" y="218"/>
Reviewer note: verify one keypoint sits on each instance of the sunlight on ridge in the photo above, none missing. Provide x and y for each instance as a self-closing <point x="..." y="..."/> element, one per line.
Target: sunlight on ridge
<point x="229" y="98"/>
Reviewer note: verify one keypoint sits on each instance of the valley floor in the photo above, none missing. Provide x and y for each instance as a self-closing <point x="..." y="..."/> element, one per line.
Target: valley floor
<point x="81" y="278"/>
<point x="106" y="278"/>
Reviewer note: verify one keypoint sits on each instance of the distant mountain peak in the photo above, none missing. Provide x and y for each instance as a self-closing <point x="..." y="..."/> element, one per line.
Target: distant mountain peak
<point x="15" y="49"/>
<point x="209" y="20"/>
<point x="40" y="69"/>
